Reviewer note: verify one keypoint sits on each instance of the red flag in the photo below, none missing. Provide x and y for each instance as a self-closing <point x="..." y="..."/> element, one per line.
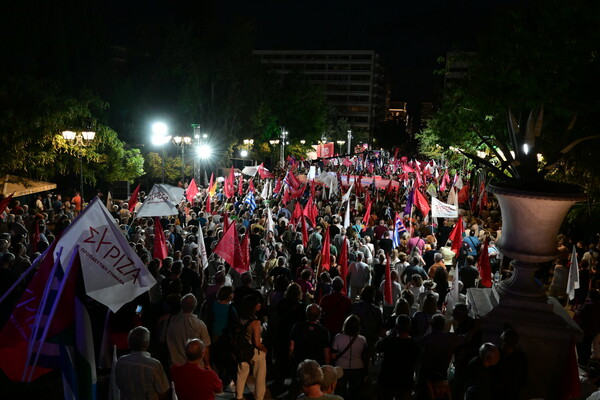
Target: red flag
<point x="277" y="186"/>
<point x="251" y="186"/>
<point x="286" y="196"/>
<point x="484" y="266"/>
<point x="134" y="198"/>
<point x="463" y="195"/>
<point x="245" y="250"/>
<point x="229" y="249"/>
<point x="160" y="243"/>
<point x="207" y="208"/>
<point x="368" y="211"/>
<point x="304" y="232"/>
<point x="387" y="290"/>
<point x="191" y="192"/>
<point x="343" y="264"/>
<point x="406" y="168"/>
<point x="226" y="222"/>
<point x="389" y="188"/>
<point x="5" y="202"/>
<point x="212" y="180"/>
<point x="309" y="211"/>
<point x="457" y="235"/>
<point x="326" y="251"/>
<point x="241" y="186"/>
<point x="421" y="202"/>
<point x="297" y="213"/>
<point x="264" y="173"/>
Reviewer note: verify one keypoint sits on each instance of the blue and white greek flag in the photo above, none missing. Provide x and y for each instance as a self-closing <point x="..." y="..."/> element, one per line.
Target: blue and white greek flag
<point x="399" y="229"/>
<point x="250" y="201"/>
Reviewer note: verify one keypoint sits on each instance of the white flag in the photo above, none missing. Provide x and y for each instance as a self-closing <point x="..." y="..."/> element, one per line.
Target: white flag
<point x="270" y="222"/>
<point x="161" y="201"/>
<point x="265" y="190"/>
<point x="347" y="214"/>
<point x="250" y="171"/>
<point x="453" y="297"/>
<point x="459" y="183"/>
<point x="452" y="197"/>
<point x="573" y="282"/>
<point x="112" y="271"/>
<point x="202" y="249"/>
<point x="346" y="197"/>
<point x="312" y="173"/>
<point x="443" y="210"/>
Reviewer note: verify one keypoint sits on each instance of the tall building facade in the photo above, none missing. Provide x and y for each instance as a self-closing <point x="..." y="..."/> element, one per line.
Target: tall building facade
<point x="353" y="80"/>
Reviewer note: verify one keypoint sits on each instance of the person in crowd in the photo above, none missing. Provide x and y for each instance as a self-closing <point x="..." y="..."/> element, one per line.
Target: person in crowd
<point x="310" y="377"/>
<point x="359" y="275"/>
<point x="191" y="380"/>
<point x="138" y="375"/>
<point x="350" y="352"/>
<point x="479" y="373"/>
<point x="184" y="326"/>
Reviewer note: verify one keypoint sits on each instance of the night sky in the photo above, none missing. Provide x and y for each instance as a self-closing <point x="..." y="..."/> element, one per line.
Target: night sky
<point x="409" y="35"/>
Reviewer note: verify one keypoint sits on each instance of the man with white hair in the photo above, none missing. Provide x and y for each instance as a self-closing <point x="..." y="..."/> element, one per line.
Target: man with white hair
<point x="138" y="375"/>
<point x="185" y="326"/>
<point x="310" y="377"/>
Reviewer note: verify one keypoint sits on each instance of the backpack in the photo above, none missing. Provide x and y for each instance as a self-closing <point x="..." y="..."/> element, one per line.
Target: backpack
<point x="242" y="348"/>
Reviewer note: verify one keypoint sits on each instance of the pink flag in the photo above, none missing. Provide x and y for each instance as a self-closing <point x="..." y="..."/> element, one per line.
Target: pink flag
<point x="191" y="191"/>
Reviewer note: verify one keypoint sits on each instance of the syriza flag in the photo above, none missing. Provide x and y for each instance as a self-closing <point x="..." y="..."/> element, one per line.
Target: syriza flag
<point x="161" y="201"/>
<point x="443" y="210"/>
<point x="112" y="271"/>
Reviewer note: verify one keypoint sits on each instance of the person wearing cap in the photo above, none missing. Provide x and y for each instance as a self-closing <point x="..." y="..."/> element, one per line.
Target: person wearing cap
<point x="331" y="375"/>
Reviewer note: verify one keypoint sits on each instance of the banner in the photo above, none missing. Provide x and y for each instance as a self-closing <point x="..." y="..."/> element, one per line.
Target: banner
<point x="112" y="271"/>
<point x="325" y="150"/>
<point x="161" y="201"/>
<point x="443" y="210"/>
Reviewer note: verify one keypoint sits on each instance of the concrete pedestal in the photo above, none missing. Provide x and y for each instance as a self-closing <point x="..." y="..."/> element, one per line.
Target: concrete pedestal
<point x="545" y="329"/>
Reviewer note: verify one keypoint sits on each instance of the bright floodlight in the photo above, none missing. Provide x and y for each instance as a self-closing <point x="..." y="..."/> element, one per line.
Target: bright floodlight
<point x="68" y="135"/>
<point x="159" y="134"/>
<point x="204" y="152"/>
<point x="244" y="153"/>
<point x="525" y="148"/>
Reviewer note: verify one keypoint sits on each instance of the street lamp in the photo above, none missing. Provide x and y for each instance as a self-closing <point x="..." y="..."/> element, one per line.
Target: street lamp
<point x="341" y="143"/>
<point x="302" y="141"/>
<point x="349" y="141"/>
<point x="182" y="141"/>
<point x="284" y="135"/>
<point x="160" y="138"/>
<point x="80" y="140"/>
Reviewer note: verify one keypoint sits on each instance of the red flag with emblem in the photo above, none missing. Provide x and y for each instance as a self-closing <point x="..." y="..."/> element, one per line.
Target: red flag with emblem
<point x="297" y="213"/>
<point x="229" y="249"/>
<point x="191" y="192"/>
<point x="421" y="202"/>
<point x="456" y="236"/>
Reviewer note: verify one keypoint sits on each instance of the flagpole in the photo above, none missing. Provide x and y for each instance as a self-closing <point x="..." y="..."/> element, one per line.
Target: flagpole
<point x="24" y="274"/>
<point x="40" y="311"/>
<point x="63" y="283"/>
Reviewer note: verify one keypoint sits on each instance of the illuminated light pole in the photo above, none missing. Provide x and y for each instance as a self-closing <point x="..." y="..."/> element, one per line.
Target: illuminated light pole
<point x="274" y="142"/>
<point x="160" y="138"/>
<point x="341" y="143"/>
<point x="80" y="140"/>
<point x="349" y="141"/>
<point x="284" y="135"/>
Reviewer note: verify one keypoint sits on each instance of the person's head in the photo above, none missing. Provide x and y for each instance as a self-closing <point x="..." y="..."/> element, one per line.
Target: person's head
<point x="194" y="350"/>
<point x="299" y="249"/>
<point x="460" y="312"/>
<point x="417" y="280"/>
<point x="351" y="325"/>
<point x="367" y="294"/>
<point x="306" y="274"/>
<point x="138" y="339"/>
<point x="249" y="306"/>
<point x="489" y="354"/>
<point x="293" y="292"/>
<point x="437" y="257"/>
<point x="313" y="312"/>
<point x="403" y="323"/>
<point x="331" y="375"/>
<point x="188" y="303"/>
<point x="510" y="339"/>
<point x="337" y="284"/>
<point x="225" y="293"/>
<point x="246" y="278"/>
<point x="430" y="304"/>
<point x="438" y="322"/>
<point x="402" y="307"/>
<point x="309" y="374"/>
<point x="409" y="296"/>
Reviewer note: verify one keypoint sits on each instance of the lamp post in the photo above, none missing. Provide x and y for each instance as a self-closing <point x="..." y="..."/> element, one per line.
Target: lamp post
<point x="80" y="140"/>
<point x="160" y="138"/>
<point x="349" y="141"/>
<point x="284" y="135"/>
<point x="182" y="141"/>
<point x="274" y="142"/>
<point x="341" y="143"/>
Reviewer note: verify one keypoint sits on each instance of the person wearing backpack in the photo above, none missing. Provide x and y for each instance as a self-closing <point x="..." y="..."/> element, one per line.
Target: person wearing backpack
<point x="245" y="341"/>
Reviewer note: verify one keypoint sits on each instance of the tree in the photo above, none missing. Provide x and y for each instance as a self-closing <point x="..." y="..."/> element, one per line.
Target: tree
<point x="34" y="112"/>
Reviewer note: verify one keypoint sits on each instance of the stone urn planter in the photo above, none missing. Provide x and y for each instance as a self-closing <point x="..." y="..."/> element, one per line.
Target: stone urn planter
<point x="530" y="224"/>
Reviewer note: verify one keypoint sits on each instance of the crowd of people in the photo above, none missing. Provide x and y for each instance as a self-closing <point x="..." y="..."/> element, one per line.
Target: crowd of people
<point x="293" y="325"/>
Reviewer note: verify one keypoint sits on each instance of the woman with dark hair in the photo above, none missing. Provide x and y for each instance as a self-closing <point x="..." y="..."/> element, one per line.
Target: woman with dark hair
<point x="350" y="351"/>
<point x="249" y="306"/>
